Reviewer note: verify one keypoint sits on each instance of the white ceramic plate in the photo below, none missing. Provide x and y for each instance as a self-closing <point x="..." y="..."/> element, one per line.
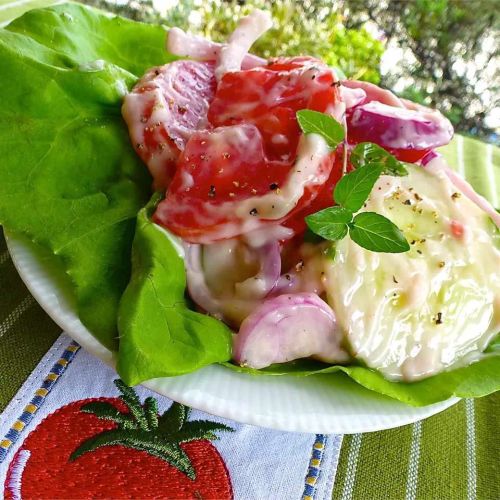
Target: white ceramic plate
<point x="303" y="404"/>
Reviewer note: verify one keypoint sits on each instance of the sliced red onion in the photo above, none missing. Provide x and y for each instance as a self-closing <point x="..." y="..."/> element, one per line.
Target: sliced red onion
<point x="438" y="164"/>
<point x="265" y="280"/>
<point x="286" y="284"/>
<point x="249" y="29"/>
<point x="294" y="281"/>
<point x="289" y="327"/>
<point x="351" y="97"/>
<point x="183" y="44"/>
<point x="375" y="93"/>
<point x="196" y="284"/>
<point x="399" y="128"/>
<point x="247" y="294"/>
<point x="428" y="157"/>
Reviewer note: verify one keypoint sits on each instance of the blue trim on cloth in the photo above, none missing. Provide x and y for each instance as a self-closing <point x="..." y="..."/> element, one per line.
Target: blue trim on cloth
<point x="38" y="399"/>
<point x="314" y="469"/>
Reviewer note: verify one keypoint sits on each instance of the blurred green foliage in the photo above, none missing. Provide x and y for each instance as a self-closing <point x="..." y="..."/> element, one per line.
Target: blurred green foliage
<point x="450" y="47"/>
<point x="300" y="28"/>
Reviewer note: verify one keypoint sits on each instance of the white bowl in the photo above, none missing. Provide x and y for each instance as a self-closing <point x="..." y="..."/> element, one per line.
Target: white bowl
<point x="319" y="404"/>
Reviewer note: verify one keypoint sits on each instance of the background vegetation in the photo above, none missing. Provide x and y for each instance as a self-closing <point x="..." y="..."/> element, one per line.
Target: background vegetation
<point x="443" y="53"/>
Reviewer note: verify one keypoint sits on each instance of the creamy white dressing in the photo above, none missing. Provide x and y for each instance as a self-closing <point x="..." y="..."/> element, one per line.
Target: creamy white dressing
<point x="163" y="90"/>
<point x="249" y="29"/>
<point x="132" y="110"/>
<point x="375" y="93"/>
<point x="267" y="234"/>
<point x="414" y="314"/>
<point x="311" y="152"/>
<point x="229" y="270"/>
<point x="337" y="110"/>
<point x="279" y="139"/>
<point x="183" y="44"/>
<point x="351" y="97"/>
<point x="438" y="164"/>
<point x="408" y="315"/>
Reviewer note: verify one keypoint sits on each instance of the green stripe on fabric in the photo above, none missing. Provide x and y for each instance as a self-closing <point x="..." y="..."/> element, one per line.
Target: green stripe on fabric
<point x="27" y="333"/>
<point x="475" y="157"/>
<point x="16" y="294"/>
<point x="480" y="164"/>
<point x="443" y="470"/>
<point x="341" y="474"/>
<point x="413" y="461"/>
<point x="439" y="458"/>
<point x="390" y="462"/>
<point x="381" y="469"/>
<point x="470" y="448"/>
<point x="488" y="446"/>
<point x="495" y="157"/>
<point x="450" y="153"/>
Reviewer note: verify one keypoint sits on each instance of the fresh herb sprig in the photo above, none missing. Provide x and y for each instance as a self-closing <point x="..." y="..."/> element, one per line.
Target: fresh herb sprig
<point x="368" y="229"/>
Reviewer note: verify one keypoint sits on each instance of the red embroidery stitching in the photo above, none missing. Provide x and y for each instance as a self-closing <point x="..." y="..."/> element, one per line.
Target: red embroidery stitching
<point x="112" y="471"/>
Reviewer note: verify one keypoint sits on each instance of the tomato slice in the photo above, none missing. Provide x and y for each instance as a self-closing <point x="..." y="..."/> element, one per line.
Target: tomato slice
<point x="217" y="170"/>
<point x="164" y="108"/>
<point x="251" y="152"/>
<point x="270" y="96"/>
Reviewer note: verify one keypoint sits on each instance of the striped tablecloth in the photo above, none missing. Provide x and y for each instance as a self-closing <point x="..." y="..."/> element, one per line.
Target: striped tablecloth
<point x="452" y="455"/>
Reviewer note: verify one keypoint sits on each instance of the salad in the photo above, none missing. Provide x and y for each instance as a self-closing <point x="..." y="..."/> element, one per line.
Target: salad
<point x="301" y="222"/>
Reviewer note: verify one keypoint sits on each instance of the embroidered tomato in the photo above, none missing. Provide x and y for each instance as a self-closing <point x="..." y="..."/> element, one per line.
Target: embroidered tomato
<point x="254" y="150"/>
<point x="115" y="448"/>
<point x="162" y="111"/>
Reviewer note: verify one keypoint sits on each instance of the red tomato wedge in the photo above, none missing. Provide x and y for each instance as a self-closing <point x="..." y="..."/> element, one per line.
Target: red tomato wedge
<point x="217" y="170"/>
<point x="162" y="111"/>
<point x="270" y="96"/>
<point x="251" y="154"/>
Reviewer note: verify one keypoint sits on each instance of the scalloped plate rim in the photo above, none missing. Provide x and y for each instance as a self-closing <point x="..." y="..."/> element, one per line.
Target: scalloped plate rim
<point x="285" y="403"/>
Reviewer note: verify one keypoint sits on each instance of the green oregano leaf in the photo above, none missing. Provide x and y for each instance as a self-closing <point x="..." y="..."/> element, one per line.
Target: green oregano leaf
<point x="314" y="122"/>
<point x="330" y="223"/>
<point x="354" y="188"/>
<point x="377" y="233"/>
<point x="367" y="153"/>
<point x="369" y="230"/>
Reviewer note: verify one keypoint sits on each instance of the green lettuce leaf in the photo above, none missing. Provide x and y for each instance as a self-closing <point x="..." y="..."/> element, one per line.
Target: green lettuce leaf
<point x="159" y="335"/>
<point x="473" y="381"/>
<point x="72" y="184"/>
<point x="70" y="181"/>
